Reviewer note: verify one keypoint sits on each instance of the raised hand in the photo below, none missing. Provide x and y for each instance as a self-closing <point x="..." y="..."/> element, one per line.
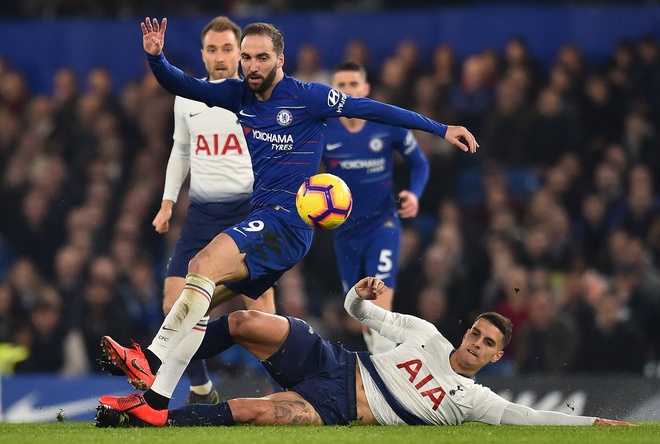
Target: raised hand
<point x="454" y="134"/>
<point x="153" y="35"/>
<point x="370" y="288"/>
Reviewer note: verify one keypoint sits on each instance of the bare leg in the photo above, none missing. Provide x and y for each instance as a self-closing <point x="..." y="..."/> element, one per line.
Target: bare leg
<point x="220" y="261"/>
<point x="262" y="334"/>
<point x="283" y="408"/>
<point x="265" y="303"/>
<point x="172" y="288"/>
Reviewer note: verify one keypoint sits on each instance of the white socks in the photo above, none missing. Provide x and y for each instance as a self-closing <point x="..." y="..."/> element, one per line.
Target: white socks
<point x="173" y="367"/>
<point x="192" y="305"/>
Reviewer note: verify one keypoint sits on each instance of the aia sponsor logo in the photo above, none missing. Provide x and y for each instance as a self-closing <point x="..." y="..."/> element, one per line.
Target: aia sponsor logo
<point x="213" y="145"/>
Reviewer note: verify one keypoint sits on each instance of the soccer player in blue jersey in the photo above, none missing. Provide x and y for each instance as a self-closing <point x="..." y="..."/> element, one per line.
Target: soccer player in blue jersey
<point x="283" y="121"/>
<point x="362" y="153"/>
<point x="210" y="145"/>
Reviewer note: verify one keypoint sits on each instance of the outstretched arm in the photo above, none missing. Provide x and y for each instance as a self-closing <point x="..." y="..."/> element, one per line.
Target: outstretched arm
<point x="368" y="109"/>
<point x="516" y="414"/>
<point x="176" y="81"/>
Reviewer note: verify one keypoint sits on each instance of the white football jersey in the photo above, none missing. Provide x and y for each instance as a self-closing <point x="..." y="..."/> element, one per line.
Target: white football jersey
<point x="220" y="164"/>
<point x="420" y="377"/>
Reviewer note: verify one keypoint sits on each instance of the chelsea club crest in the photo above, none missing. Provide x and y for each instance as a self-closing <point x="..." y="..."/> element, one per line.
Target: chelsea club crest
<point x="284" y="117"/>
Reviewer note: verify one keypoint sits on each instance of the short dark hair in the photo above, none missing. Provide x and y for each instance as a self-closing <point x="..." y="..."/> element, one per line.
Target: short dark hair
<point x="502" y="323"/>
<point x="221" y="24"/>
<point x="268" y="30"/>
<point x="349" y="65"/>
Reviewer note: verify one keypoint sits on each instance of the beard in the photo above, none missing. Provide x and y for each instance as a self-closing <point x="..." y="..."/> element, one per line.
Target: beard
<point x="265" y="84"/>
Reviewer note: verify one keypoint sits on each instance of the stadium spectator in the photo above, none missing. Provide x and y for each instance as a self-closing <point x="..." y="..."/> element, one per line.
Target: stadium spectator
<point x="610" y="334"/>
<point x="308" y="65"/>
<point x="548" y="339"/>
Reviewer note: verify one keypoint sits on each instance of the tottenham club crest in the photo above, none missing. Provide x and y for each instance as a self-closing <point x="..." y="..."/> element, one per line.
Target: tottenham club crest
<point x="375" y="145"/>
<point x="284" y="117"/>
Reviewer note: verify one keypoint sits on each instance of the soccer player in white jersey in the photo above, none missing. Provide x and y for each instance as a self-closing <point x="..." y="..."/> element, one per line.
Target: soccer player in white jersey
<point x="422" y="381"/>
<point x="210" y="145"/>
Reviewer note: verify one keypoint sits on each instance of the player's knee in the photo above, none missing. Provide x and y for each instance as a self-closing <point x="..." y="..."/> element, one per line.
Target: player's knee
<point x="195" y="265"/>
<point x="243" y="322"/>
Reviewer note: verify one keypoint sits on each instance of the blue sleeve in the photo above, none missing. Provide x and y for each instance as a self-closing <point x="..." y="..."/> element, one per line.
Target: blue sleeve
<point x="364" y="108"/>
<point x="322" y="101"/>
<point x="416" y="160"/>
<point x="224" y="94"/>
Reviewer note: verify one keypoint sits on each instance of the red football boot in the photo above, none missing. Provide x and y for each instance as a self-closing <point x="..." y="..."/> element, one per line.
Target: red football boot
<point x="131" y="361"/>
<point x="136" y="405"/>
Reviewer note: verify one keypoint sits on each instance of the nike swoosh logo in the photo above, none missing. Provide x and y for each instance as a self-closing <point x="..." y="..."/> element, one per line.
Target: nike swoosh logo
<point x="26" y="410"/>
<point x="333" y="146"/>
<point x="167" y="328"/>
<point x="137" y="367"/>
<point x="382" y="275"/>
<point x="244" y="114"/>
<point x="196" y="114"/>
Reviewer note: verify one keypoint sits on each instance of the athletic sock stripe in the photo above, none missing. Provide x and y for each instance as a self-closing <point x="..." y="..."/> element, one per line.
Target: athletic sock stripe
<point x="198" y="289"/>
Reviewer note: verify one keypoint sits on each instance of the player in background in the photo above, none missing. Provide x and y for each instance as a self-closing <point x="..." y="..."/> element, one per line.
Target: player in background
<point x="209" y="143"/>
<point x="283" y="121"/>
<point x="422" y="381"/>
<point x="368" y="243"/>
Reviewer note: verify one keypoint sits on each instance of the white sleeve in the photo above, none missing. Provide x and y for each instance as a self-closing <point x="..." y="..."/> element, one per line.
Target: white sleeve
<point x="516" y="414"/>
<point x="177" y="170"/>
<point x="394" y="326"/>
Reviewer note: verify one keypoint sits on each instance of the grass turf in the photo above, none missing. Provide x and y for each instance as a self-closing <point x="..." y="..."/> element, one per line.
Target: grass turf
<point x="76" y="432"/>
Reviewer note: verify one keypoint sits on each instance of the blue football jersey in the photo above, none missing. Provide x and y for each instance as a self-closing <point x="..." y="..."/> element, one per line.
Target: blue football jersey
<point x="285" y="134"/>
<point x="364" y="159"/>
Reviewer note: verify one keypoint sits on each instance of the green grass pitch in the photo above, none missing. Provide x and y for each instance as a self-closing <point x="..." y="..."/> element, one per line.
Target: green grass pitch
<point x="77" y="432"/>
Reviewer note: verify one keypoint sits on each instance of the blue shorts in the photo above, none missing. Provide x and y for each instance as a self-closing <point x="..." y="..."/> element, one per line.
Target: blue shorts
<point x="369" y="251"/>
<point x="203" y="223"/>
<point x="272" y="243"/>
<point x="321" y="372"/>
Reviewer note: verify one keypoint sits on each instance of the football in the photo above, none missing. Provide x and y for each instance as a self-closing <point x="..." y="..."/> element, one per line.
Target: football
<point x="324" y="201"/>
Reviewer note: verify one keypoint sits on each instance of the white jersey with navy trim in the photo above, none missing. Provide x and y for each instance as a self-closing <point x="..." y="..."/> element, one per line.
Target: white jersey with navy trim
<point x="420" y="377"/>
<point x="220" y="164"/>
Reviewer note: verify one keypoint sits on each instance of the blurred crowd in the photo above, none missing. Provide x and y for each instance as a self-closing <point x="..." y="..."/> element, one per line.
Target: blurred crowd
<point x="49" y="9"/>
<point x="554" y="223"/>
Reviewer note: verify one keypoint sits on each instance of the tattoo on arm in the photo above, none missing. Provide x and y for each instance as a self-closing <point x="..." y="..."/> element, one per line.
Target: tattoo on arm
<point x="294" y="413"/>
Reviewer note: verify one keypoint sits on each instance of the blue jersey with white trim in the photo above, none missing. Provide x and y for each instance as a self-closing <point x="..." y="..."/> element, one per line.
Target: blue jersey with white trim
<point x="285" y="134"/>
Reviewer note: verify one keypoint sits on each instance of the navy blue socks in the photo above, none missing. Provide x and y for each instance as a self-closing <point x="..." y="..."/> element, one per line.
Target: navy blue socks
<point x="216" y="340"/>
<point x="201" y="415"/>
